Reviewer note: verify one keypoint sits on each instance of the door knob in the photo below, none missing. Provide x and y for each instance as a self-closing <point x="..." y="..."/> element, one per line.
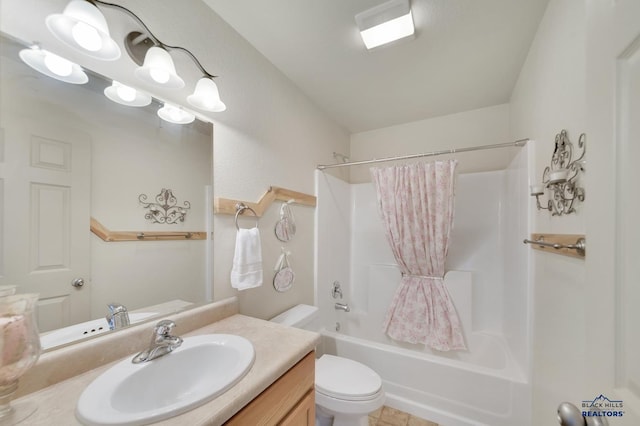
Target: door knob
<point x="78" y="282"/>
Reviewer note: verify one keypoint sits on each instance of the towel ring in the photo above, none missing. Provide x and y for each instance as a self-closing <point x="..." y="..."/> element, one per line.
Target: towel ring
<point x="240" y="207"/>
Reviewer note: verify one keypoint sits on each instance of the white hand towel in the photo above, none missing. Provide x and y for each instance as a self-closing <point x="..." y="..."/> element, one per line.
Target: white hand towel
<point x="247" y="260"/>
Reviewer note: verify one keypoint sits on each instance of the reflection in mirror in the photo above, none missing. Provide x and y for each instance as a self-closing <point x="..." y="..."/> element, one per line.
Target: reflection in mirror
<point x="69" y="154"/>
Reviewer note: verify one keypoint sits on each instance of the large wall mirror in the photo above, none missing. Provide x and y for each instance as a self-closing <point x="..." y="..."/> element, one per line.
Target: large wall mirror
<point x="69" y="154"/>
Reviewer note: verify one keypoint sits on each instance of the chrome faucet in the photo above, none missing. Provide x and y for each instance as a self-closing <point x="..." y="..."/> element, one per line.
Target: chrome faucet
<point x="118" y="316"/>
<point x="342" y="307"/>
<point x="162" y="342"/>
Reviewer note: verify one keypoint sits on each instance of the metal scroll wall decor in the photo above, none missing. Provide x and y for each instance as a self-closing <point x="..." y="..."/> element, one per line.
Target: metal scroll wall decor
<point x="560" y="176"/>
<point x="165" y="209"/>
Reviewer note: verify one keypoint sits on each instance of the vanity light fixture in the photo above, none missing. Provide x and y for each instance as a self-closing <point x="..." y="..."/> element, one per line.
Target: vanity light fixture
<point x="387" y="22"/>
<point x="559" y="177"/>
<point x="158" y="69"/>
<point x="206" y="96"/>
<point x="175" y="114"/>
<point x="53" y="65"/>
<point x="126" y="95"/>
<point x="83" y="27"/>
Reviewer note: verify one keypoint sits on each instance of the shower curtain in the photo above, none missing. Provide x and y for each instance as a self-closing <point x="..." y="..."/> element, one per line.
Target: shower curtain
<point x="416" y="204"/>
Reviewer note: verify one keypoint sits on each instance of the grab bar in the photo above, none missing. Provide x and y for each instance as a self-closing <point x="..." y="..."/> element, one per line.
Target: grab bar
<point x="580" y="245"/>
<point x="240" y="207"/>
<point x="142" y="235"/>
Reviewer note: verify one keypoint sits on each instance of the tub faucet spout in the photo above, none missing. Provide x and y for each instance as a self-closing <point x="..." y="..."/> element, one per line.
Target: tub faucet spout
<point x="342" y="307"/>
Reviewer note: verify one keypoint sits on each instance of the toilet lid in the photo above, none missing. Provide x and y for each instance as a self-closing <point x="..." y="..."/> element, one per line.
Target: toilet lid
<point x="344" y="378"/>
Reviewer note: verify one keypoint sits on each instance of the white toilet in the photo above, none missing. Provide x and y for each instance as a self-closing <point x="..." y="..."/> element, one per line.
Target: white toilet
<point x="346" y="390"/>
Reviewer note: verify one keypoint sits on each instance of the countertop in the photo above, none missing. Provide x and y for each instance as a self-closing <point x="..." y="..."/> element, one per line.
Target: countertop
<point x="277" y="348"/>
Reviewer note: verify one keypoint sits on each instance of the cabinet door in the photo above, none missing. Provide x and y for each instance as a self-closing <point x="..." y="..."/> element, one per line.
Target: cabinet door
<point x="278" y="400"/>
<point x="303" y="414"/>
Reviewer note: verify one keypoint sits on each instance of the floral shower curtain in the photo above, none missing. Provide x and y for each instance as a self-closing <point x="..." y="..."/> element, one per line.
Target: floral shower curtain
<point x="416" y="204"/>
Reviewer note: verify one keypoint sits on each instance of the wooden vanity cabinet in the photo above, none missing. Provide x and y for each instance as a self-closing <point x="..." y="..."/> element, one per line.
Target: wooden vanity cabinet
<point x="289" y="401"/>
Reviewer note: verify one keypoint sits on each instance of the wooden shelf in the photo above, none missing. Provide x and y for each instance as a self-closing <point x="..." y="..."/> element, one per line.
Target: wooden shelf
<point x="116" y="236"/>
<point x="228" y="206"/>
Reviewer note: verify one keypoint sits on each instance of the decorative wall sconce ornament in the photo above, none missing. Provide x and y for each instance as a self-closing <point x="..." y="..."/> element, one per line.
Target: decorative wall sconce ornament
<point x="559" y="178"/>
<point x="165" y="209"/>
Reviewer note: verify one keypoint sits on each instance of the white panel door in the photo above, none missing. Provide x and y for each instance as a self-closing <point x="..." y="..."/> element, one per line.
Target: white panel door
<point x="613" y="231"/>
<point x="45" y="180"/>
<point x="627" y="253"/>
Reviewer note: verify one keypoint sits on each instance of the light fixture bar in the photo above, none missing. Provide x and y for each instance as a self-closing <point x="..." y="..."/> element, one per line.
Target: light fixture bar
<point x="83" y="27"/>
<point x="130" y="13"/>
<point x="152" y="36"/>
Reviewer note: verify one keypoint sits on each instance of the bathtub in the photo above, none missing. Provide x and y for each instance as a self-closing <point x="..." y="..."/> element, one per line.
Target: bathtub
<point x="482" y="386"/>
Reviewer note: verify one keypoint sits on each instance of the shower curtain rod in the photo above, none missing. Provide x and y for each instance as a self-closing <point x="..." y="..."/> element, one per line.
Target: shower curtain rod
<point x="520" y="142"/>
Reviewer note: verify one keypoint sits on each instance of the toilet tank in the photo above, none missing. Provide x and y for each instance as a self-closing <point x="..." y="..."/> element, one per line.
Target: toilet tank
<point x="300" y="316"/>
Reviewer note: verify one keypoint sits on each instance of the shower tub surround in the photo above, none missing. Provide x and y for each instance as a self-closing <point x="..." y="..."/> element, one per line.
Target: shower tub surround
<point x="487" y="278"/>
<point x="481" y="386"/>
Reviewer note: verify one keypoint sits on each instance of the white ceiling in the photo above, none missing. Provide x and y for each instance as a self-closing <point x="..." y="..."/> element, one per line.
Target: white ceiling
<point x="466" y="54"/>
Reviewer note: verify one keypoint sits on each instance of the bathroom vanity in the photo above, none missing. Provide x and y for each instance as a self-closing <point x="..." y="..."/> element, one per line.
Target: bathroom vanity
<point x="278" y="389"/>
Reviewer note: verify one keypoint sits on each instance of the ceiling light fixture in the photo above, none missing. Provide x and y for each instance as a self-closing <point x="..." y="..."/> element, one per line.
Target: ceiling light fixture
<point x="53" y="65"/>
<point x="126" y="95"/>
<point x="83" y="27"/>
<point x="387" y="22"/>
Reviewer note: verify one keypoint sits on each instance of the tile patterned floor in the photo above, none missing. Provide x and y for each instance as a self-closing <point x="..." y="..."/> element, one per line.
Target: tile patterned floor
<point x="387" y="416"/>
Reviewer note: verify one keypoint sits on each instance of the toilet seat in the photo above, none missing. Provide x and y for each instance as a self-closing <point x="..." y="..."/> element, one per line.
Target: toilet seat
<point x="345" y="379"/>
<point x="334" y="405"/>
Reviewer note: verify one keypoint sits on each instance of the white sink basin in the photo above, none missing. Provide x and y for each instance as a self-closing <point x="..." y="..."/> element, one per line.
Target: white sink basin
<point x="83" y="330"/>
<point x="202" y="368"/>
